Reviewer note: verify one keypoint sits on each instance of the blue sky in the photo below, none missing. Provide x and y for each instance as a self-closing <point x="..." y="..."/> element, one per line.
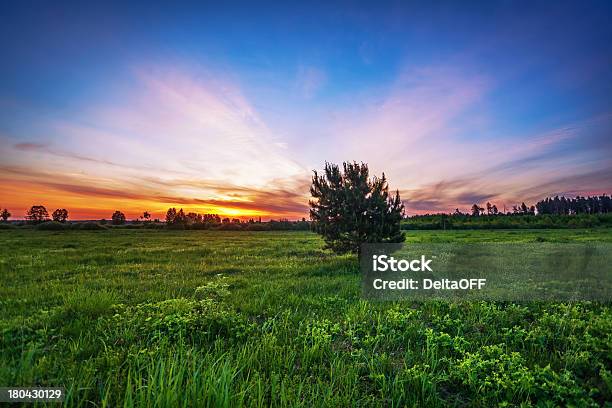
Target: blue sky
<point x="229" y="108"/>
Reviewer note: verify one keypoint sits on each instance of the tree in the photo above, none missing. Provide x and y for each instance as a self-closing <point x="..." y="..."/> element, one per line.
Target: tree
<point x="60" y="215"/>
<point x="476" y="210"/>
<point x="118" y="218"/>
<point x="170" y="215"/>
<point x="349" y="209"/>
<point x="194" y="218"/>
<point x="37" y="214"/>
<point x="146" y="216"/>
<point x="180" y="218"/>
<point x="5" y="214"/>
<point x="211" y="219"/>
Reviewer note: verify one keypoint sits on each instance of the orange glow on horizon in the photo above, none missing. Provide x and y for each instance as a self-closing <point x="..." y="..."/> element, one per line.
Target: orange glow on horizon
<point x="20" y="195"/>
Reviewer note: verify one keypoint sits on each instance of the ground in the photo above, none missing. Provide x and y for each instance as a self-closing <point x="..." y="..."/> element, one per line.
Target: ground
<point x="191" y="318"/>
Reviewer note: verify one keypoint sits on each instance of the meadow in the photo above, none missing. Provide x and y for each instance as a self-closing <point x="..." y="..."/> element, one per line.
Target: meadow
<point x="220" y="318"/>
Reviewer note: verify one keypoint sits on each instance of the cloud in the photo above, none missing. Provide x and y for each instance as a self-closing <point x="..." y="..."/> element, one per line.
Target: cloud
<point x="588" y="183"/>
<point x="445" y="195"/>
<point x="309" y="81"/>
<point x="31" y="146"/>
<point x="397" y="123"/>
<point x="192" y="138"/>
<point x="174" y="136"/>
<point x="48" y="150"/>
<point x="282" y="198"/>
<point x="570" y="159"/>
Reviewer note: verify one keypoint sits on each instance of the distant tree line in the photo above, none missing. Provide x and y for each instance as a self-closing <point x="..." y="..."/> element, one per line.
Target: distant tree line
<point x="38" y="216"/>
<point x="178" y="219"/>
<point x="580" y="205"/>
<point x="557" y="212"/>
<point x="551" y="212"/>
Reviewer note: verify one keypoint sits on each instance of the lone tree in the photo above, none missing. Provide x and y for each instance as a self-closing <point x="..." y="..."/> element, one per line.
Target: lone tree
<point x="349" y="209"/>
<point x="146" y="216"/>
<point x="60" y="215"/>
<point x="37" y="214"/>
<point x="118" y="218"/>
<point x="5" y="214"/>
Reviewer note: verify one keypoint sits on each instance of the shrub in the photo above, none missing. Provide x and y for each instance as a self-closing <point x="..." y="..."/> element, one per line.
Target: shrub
<point x="175" y="226"/>
<point x="51" y="226"/>
<point x="153" y="225"/>
<point x="230" y="226"/>
<point x="133" y="226"/>
<point x="258" y="227"/>
<point x="91" y="226"/>
<point x="178" y="319"/>
<point x="200" y="226"/>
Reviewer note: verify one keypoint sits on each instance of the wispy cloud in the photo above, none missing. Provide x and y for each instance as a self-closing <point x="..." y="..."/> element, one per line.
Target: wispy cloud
<point x="395" y="124"/>
<point x="563" y="161"/>
<point x="309" y="80"/>
<point x="193" y="139"/>
<point x="172" y="125"/>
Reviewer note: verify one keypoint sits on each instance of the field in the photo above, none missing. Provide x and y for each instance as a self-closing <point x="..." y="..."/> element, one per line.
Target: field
<point x="194" y="318"/>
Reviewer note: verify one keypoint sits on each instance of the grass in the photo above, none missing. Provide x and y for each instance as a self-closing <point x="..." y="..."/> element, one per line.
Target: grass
<point x="212" y="318"/>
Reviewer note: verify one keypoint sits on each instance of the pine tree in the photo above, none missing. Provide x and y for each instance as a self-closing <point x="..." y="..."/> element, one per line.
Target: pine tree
<point x="349" y="209"/>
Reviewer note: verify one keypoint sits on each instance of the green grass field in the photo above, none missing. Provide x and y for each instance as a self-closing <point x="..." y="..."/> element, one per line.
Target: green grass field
<point x="195" y="318"/>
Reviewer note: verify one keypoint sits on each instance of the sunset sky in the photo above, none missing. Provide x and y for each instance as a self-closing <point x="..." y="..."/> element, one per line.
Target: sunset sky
<point x="229" y="109"/>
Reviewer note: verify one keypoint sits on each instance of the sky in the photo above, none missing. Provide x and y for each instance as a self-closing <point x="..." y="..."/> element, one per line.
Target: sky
<point x="229" y="108"/>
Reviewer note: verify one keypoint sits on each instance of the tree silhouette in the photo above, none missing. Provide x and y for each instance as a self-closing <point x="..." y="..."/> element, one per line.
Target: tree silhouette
<point x="118" y="218"/>
<point x="60" y="215"/>
<point x="211" y="219"/>
<point x="37" y="214"/>
<point x="578" y="205"/>
<point x="180" y="218"/>
<point x="146" y="216"/>
<point x="170" y="215"/>
<point x="5" y="214"/>
<point x="349" y="209"/>
<point x="194" y="218"/>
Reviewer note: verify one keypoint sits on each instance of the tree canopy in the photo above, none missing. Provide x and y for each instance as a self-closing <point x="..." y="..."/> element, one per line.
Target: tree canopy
<point x="60" y="215"/>
<point x="5" y="215"/>
<point x="37" y="214"/>
<point x="349" y="209"/>
<point x="118" y="218"/>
